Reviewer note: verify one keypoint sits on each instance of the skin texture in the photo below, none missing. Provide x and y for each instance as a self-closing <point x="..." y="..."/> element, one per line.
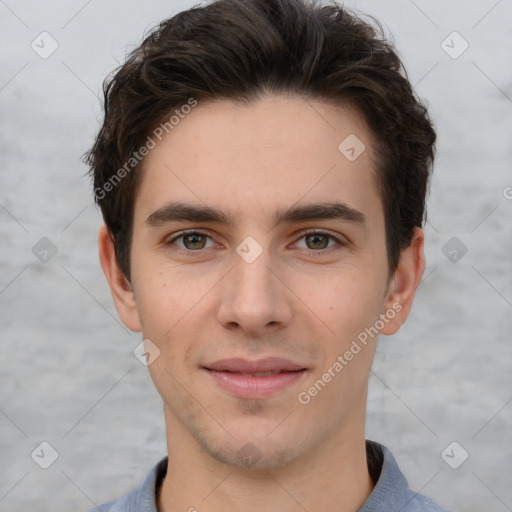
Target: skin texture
<point x="303" y="298"/>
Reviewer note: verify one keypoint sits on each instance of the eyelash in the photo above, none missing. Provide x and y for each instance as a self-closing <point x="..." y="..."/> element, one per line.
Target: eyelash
<point x="310" y="252"/>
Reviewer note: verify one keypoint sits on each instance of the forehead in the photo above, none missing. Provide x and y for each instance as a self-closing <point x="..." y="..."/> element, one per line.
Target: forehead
<point x="252" y="159"/>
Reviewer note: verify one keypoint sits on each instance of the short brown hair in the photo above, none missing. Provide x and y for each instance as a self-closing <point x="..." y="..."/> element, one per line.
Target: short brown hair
<point x="241" y="49"/>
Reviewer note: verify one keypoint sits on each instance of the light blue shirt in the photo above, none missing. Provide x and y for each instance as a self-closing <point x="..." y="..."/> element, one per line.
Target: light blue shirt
<point x="390" y="494"/>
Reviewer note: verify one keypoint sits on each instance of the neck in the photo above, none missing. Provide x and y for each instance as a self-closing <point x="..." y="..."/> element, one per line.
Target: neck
<point x="334" y="476"/>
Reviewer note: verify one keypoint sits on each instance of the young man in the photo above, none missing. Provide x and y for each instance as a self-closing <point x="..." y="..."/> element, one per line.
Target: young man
<point x="262" y="171"/>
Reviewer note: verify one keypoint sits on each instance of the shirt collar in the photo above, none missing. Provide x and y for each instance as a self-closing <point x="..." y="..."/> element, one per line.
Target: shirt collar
<point x="391" y="490"/>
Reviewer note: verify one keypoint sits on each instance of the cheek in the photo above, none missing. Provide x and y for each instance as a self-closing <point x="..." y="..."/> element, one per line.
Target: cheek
<point x="350" y="305"/>
<point x="169" y="311"/>
<point x="172" y="307"/>
<point x="164" y="297"/>
<point x="346" y="301"/>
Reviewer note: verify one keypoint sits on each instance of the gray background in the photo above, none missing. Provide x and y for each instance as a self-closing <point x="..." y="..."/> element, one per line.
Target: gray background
<point x="68" y="374"/>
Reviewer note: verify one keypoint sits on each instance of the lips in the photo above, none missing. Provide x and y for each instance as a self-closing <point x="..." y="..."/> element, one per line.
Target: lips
<point x="269" y="365"/>
<point x="254" y="379"/>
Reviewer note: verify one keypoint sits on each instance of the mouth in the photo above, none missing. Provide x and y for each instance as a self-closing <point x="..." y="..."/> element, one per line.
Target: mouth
<point x="255" y="379"/>
<point x="256" y="374"/>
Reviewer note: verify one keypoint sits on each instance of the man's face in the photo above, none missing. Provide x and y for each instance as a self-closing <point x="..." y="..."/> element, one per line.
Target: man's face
<point x="257" y="289"/>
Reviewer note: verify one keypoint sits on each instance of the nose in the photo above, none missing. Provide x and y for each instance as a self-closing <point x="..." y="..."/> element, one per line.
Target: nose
<point x="254" y="297"/>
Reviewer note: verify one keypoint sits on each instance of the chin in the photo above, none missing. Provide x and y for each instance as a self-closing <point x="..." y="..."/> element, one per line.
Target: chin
<point x="250" y="456"/>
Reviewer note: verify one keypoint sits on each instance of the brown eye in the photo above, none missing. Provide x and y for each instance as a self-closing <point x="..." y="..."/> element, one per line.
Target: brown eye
<point x="191" y="241"/>
<point x="317" y="241"/>
<point x="194" y="241"/>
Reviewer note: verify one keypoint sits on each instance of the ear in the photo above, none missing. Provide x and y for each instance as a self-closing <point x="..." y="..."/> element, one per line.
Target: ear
<point x="120" y="287"/>
<point x="404" y="283"/>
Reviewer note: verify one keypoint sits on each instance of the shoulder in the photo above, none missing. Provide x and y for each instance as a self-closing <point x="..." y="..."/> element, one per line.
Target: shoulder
<point x="121" y="505"/>
<point x="420" y="503"/>
<point x="143" y="497"/>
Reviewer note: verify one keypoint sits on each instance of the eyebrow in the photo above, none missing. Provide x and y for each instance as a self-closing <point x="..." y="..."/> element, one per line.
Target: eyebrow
<point x="177" y="211"/>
